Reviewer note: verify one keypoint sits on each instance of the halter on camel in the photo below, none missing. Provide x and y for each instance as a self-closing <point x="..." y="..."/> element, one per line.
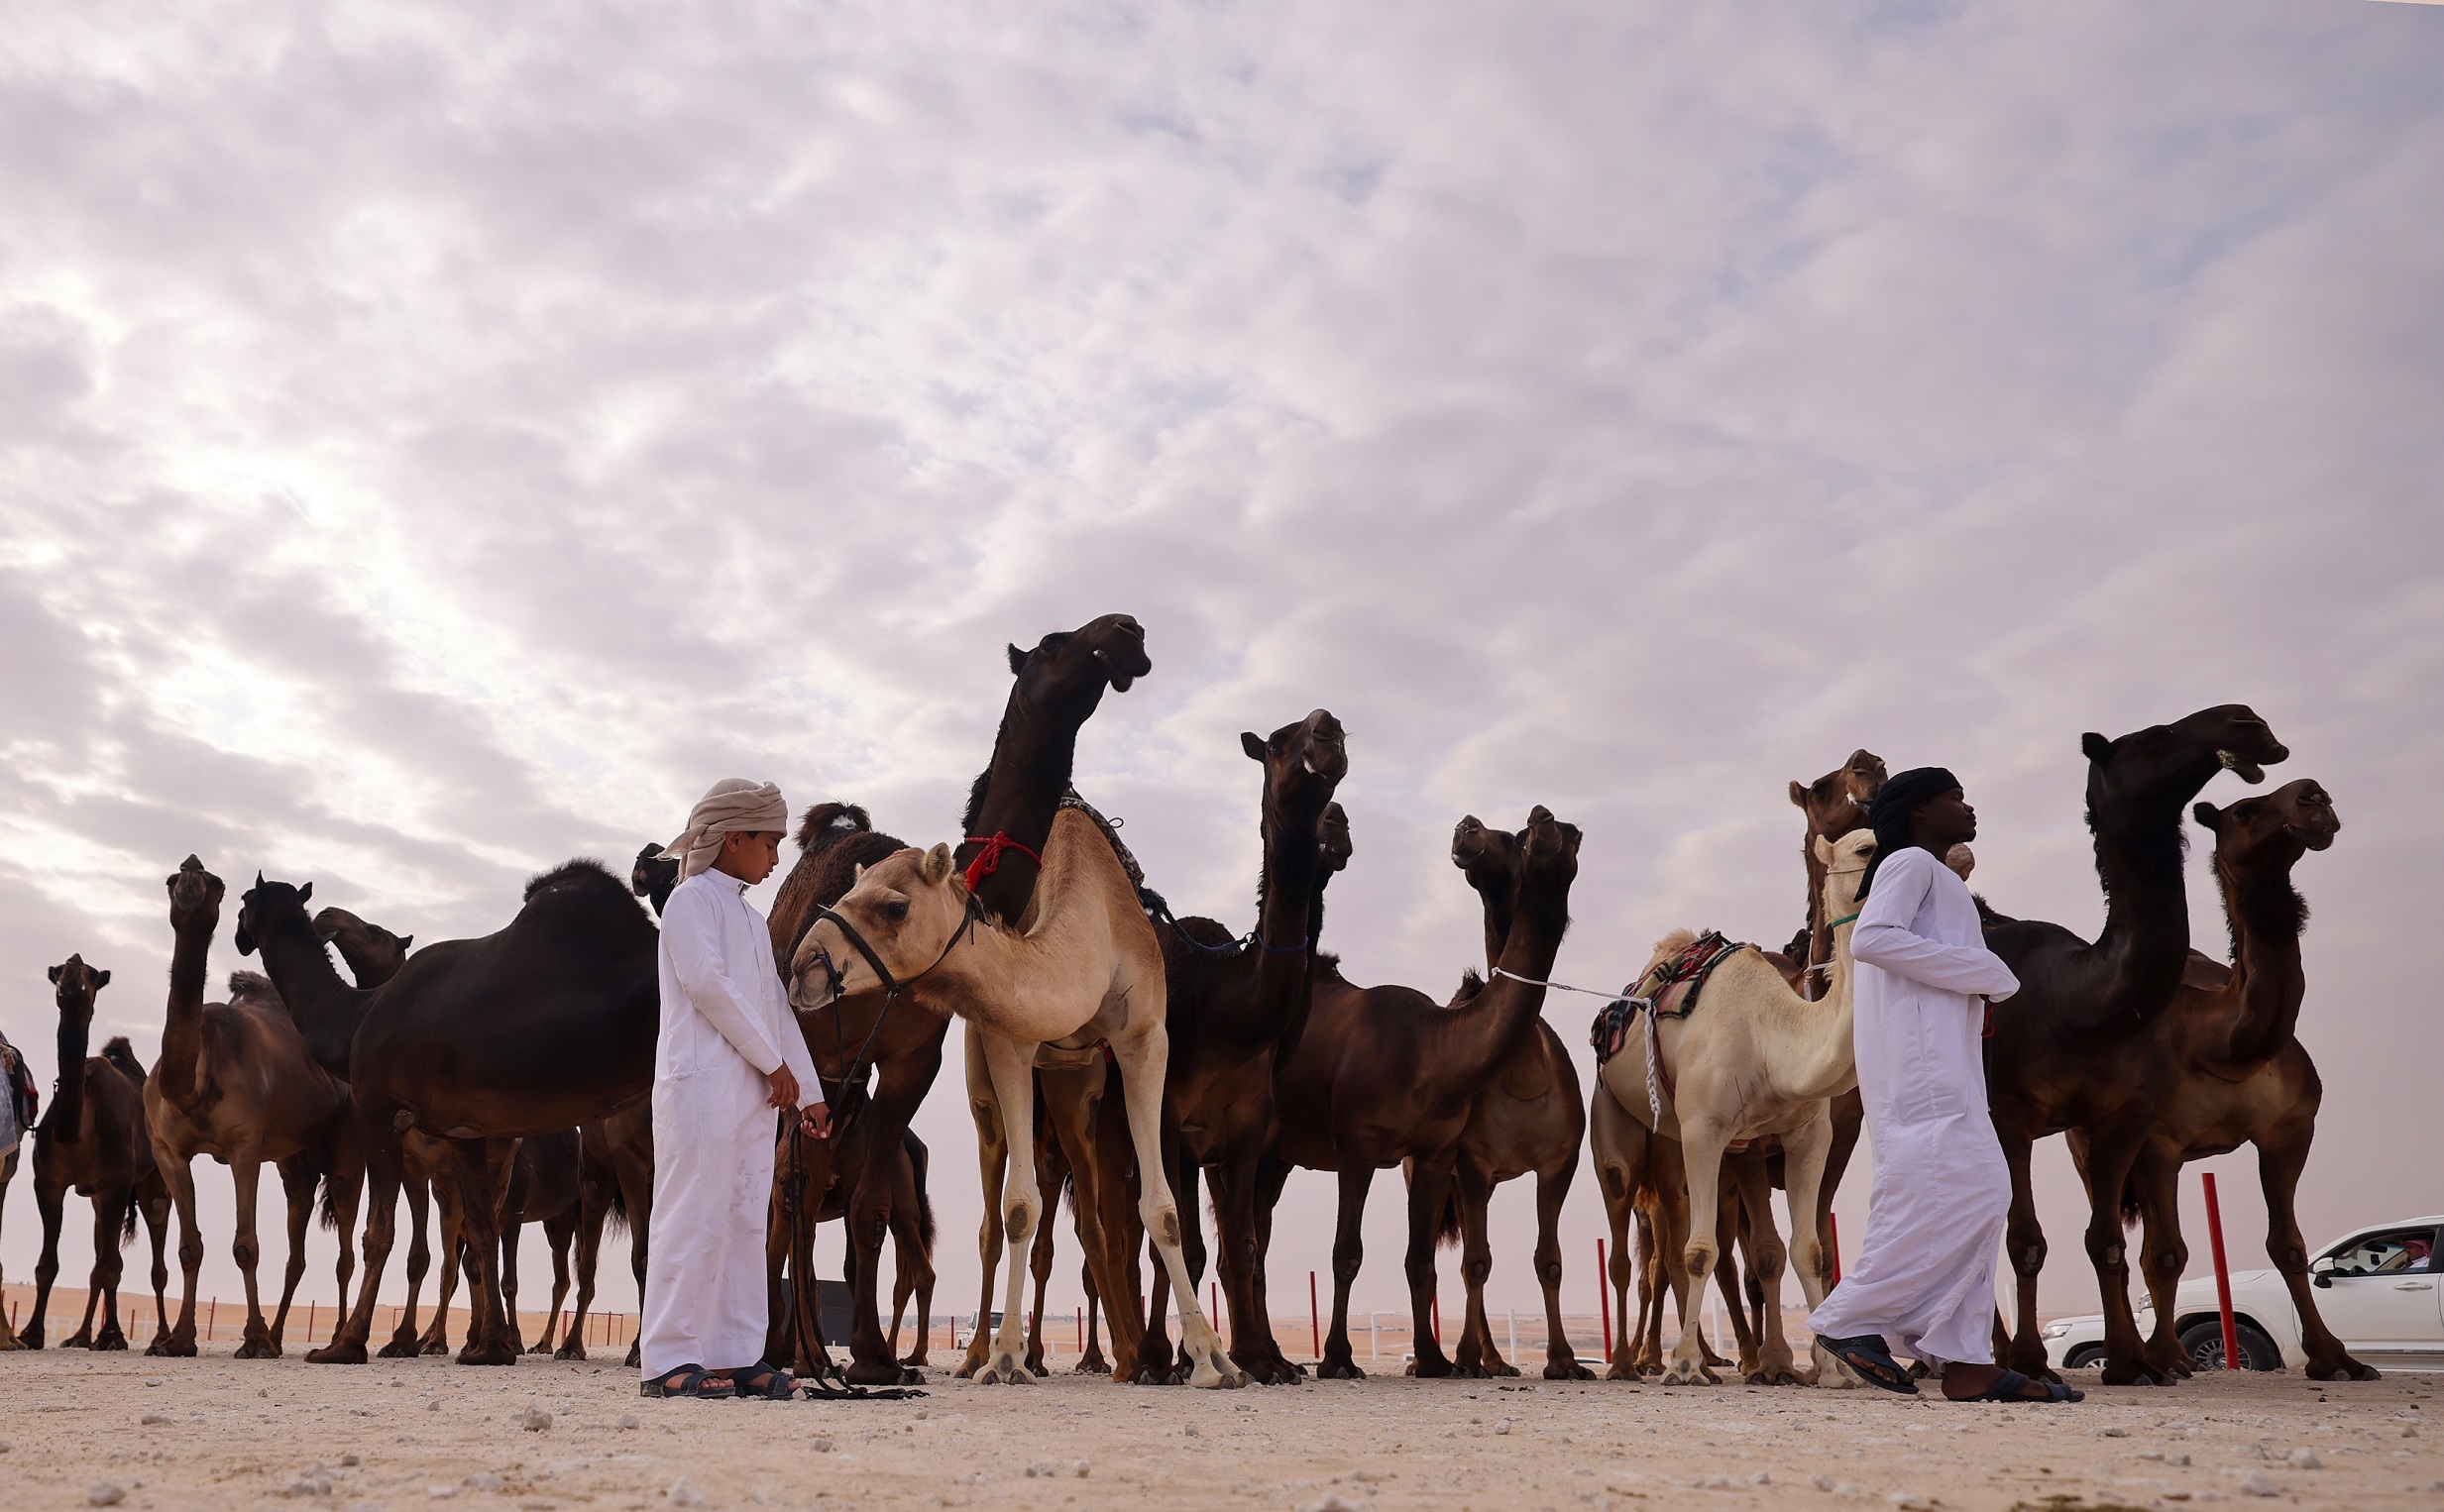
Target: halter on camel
<point x="1689" y="969"/>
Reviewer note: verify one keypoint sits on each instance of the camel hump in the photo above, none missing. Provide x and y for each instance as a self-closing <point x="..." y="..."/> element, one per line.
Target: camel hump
<point x="1674" y="942"/>
<point x="122" y="1054"/>
<point x="827" y="823"/>
<point x="2205" y="973"/>
<point x="581" y="875"/>
<point x="244" y="985"/>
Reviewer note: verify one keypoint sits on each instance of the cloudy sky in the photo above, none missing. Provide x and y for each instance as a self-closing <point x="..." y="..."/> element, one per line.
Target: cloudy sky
<point x="439" y="440"/>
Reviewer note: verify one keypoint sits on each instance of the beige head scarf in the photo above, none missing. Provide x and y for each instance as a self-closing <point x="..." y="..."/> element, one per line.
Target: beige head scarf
<point x="733" y="803"/>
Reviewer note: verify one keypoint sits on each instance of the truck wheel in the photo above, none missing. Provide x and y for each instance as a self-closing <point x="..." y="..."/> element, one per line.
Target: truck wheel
<point x="2089" y="1356"/>
<point x="2205" y="1341"/>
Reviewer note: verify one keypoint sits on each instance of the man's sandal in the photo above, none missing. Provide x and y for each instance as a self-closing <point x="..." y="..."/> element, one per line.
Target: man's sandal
<point x="2009" y="1385"/>
<point x="1871" y="1360"/>
<point x="764" y="1381"/>
<point x="688" y="1380"/>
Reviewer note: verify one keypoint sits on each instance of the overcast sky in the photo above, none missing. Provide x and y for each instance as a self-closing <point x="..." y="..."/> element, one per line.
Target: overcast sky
<point x="439" y="440"/>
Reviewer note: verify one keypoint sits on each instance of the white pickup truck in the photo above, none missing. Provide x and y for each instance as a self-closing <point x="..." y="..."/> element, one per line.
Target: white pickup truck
<point x="2376" y="1288"/>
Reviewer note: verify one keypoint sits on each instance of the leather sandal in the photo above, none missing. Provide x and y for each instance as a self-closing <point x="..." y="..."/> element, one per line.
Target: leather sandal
<point x="763" y="1382"/>
<point x="2009" y="1385"/>
<point x="1871" y="1360"/>
<point x="688" y="1380"/>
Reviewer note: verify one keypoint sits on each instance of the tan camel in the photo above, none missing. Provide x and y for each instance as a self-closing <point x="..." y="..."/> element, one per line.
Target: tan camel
<point x="1754" y="1060"/>
<point x="1087" y="975"/>
<point x="237" y="1082"/>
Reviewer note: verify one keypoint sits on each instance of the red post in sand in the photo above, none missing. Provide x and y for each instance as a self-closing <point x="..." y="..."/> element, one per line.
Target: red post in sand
<point x="2223" y="1277"/>
<point x="1213" y="1311"/>
<point x="1438" y="1320"/>
<point x="212" y="1316"/>
<point x="1603" y="1300"/>
<point x="309" y="1323"/>
<point x="1315" y="1319"/>
<point x="1833" y="1230"/>
<point x="1082" y="1330"/>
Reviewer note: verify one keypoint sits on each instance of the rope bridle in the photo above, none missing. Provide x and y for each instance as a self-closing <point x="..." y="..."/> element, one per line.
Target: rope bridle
<point x="852" y="1078"/>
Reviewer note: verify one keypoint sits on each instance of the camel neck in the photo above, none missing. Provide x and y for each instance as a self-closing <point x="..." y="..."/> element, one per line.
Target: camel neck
<point x="1288" y="897"/>
<point x="1826" y="1057"/>
<point x="2263" y="999"/>
<point x="182" y="1032"/>
<point x="1020" y="793"/>
<point x="67" y="1107"/>
<point x="2146" y="936"/>
<point x="326" y="1009"/>
<point x="1481" y="1032"/>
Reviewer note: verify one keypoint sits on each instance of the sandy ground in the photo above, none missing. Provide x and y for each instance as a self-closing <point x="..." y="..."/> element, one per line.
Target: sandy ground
<point x="216" y="1432"/>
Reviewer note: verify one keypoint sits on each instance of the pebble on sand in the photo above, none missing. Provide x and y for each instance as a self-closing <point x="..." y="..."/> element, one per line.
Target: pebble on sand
<point x="2255" y="1484"/>
<point x="534" y="1420"/>
<point x="683" y="1493"/>
<point x="153" y="1420"/>
<point x="105" y="1495"/>
<point x="1335" y="1503"/>
<point x="819" y="1445"/>
<point x="2306" y="1459"/>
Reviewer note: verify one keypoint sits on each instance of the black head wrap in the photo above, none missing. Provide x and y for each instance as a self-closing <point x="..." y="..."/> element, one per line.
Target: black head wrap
<point x="1888" y="813"/>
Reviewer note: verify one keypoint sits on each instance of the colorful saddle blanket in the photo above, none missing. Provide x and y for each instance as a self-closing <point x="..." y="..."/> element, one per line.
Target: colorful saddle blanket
<point x="1671" y="990"/>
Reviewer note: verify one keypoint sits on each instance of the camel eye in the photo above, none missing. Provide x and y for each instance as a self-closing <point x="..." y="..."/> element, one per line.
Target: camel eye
<point x="893" y="909"/>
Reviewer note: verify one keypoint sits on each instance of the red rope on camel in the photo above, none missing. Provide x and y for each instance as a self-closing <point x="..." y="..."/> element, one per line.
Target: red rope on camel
<point x="988" y="860"/>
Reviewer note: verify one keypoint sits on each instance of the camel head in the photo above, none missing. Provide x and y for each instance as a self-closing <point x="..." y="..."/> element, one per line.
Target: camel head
<point x="1303" y="763"/>
<point x="372" y="953"/>
<point x="1548" y="863"/>
<point x="2296" y="816"/>
<point x="1332" y="836"/>
<point x="1068" y="669"/>
<point x="1844" y="861"/>
<point x="1836" y="802"/>
<point x="1489" y="858"/>
<point x="655" y="874"/>
<point x="267" y="905"/>
<point x="2169" y="763"/>
<point x="194" y="892"/>
<point x="907" y="908"/>
<point x="77" y="984"/>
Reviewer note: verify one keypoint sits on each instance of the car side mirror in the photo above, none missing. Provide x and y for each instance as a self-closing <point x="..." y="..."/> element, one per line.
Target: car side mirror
<point x="2321" y="1274"/>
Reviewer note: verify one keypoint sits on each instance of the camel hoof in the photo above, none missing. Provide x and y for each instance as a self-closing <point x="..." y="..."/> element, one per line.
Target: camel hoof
<point x="174" y="1348"/>
<point x="78" y="1342"/>
<point x="1622" y="1372"/>
<point x="1339" y="1370"/>
<point x="1505" y="1369"/>
<point x="337" y="1352"/>
<point x="1093" y="1365"/>
<point x="1782" y="1377"/>
<point x="436" y="1347"/>
<point x="488" y="1355"/>
<point x="2344" y="1369"/>
<point x="403" y="1348"/>
<point x="1685" y="1372"/>
<point x="258" y="1349"/>
<point x="1005" y="1370"/>
<point x="570" y="1351"/>
<point x="633" y="1362"/>
<point x="882" y="1372"/>
<point x="111" y="1338"/>
<point x="1215" y="1372"/>
<point x="1572" y="1372"/>
<point x="2129" y="1374"/>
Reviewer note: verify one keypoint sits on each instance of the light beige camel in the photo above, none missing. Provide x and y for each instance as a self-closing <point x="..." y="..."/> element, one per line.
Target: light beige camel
<point x="1087" y="975"/>
<point x="1754" y="1061"/>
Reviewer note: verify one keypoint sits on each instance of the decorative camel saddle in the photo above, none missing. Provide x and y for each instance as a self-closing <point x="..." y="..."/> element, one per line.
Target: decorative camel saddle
<point x="1670" y="990"/>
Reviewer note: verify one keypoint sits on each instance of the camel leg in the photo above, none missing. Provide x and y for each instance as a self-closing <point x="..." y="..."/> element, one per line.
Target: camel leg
<point x="180" y="1177"/>
<point x="8" y="1174"/>
<point x="1010" y="1066"/>
<point x="912" y="1270"/>
<point x="1768" y="1258"/>
<point x="1090" y="1359"/>
<point x="2155" y="1179"/>
<point x="1429" y="1188"/>
<point x="404" y="1343"/>
<point x="451" y="1231"/>
<point x="1805" y="1153"/>
<point x="1561" y="1361"/>
<point x="479" y="1165"/>
<point x="2024" y="1240"/>
<point x="557" y="1232"/>
<point x="1702" y="1145"/>
<point x="636" y="1192"/>
<point x="1476" y="1358"/>
<point x="297" y="1177"/>
<point x="1142" y="1060"/>
<point x="383" y="1170"/>
<point x="515" y="1337"/>
<point x="993" y="1159"/>
<point x="155" y="1210"/>
<point x="1240" y="1260"/>
<point x="1619" y="1142"/>
<point x="246" y="1247"/>
<point x="1848" y="1119"/>
<point x="2282" y="1154"/>
<point x="593" y="1207"/>
<point x="114" y="1211"/>
<point x="2109" y="1161"/>
<point x="1731" y="1234"/>
<point x="51" y="1206"/>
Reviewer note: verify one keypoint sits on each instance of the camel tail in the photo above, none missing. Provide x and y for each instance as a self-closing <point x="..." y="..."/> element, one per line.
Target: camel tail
<point x="921" y="1159"/>
<point x="1447" y="1226"/>
<point x="616" y="1214"/>
<point x="329" y="1207"/>
<point x="127" y="1221"/>
<point x="826" y="823"/>
<point x="2130" y="1203"/>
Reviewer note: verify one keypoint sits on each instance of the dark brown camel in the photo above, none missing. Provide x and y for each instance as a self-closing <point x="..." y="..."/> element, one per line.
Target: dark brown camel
<point x="92" y="1142"/>
<point x="1058" y="684"/>
<point x="546" y="1025"/>
<point x="1384" y="1075"/>
<point x="614" y="1186"/>
<point x="2072" y="1048"/>
<point x="544" y="1180"/>
<point x="1531" y="1119"/>
<point x="823" y="1170"/>
<point x="237" y="1082"/>
<point x="2239" y="1074"/>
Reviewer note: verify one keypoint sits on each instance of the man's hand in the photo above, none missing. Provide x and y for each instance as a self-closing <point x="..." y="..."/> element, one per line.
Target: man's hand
<point x="815" y="1121"/>
<point x="783" y="1087"/>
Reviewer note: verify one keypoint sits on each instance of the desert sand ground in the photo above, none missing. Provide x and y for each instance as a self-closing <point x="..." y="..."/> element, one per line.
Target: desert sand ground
<point x="84" y="1429"/>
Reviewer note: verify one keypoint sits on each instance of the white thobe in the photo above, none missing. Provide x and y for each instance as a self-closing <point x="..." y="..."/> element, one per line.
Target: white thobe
<point x="726" y="1026"/>
<point x="1925" y="1276"/>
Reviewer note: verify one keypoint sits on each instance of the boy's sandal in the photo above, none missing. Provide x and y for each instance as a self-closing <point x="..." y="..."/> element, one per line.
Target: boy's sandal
<point x="688" y="1380"/>
<point x="1871" y="1360"/>
<point x="2009" y="1385"/>
<point x="764" y="1381"/>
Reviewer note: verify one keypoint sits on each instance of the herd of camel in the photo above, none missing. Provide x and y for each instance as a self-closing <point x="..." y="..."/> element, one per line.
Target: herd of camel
<point x="1126" y="1056"/>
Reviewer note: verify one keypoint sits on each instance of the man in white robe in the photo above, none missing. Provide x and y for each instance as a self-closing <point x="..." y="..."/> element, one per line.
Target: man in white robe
<point x="1923" y="1281"/>
<point x="730" y="1053"/>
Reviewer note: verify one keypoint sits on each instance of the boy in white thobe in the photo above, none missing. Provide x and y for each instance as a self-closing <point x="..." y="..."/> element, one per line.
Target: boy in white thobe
<point x="1924" y="1282"/>
<point x="730" y="1053"/>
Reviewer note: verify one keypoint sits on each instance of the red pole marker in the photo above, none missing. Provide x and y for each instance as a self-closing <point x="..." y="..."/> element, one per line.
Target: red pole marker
<point x="1213" y="1290"/>
<point x="1603" y="1300"/>
<point x="2223" y="1277"/>
<point x="1082" y="1330"/>
<point x="1833" y="1230"/>
<point x="1438" y="1319"/>
<point x="212" y="1317"/>
<point x="1315" y="1319"/>
<point x="309" y="1323"/>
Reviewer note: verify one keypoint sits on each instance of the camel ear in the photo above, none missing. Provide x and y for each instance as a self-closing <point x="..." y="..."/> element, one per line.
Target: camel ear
<point x="2096" y="746"/>
<point x="857" y="874"/>
<point x="1824" y="848"/>
<point x="404" y="941"/>
<point x="2208" y="815"/>
<point x="102" y="979"/>
<point x="938" y="864"/>
<point x="306" y="893"/>
<point x="1253" y="744"/>
<point x="1799" y="793"/>
<point x="55" y="976"/>
<point x="1018" y="661"/>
